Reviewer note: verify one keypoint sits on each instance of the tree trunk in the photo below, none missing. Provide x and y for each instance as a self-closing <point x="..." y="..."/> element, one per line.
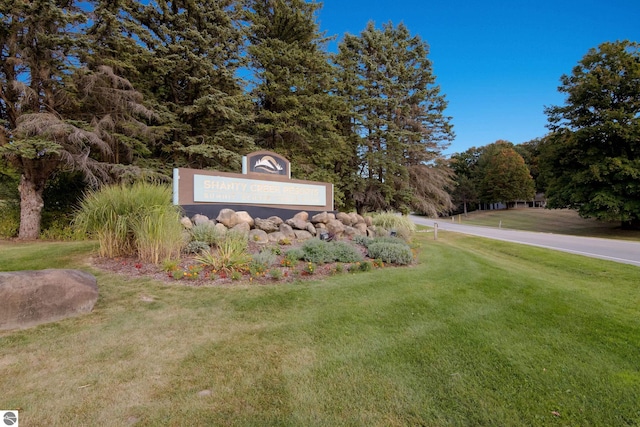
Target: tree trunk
<point x="465" y="208"/>
<point x="31" y="204"/>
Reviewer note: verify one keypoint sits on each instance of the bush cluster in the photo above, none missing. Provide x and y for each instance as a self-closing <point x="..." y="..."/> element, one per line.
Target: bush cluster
<point x="321" y="252"/>
<point x="390" y="252"/>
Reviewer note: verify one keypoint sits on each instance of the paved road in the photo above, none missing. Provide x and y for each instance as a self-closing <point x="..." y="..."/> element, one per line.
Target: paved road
<point x="613" y="250"/>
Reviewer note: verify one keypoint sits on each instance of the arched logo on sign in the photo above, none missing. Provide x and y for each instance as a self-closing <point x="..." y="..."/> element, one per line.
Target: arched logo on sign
<point x="266" y="162"/>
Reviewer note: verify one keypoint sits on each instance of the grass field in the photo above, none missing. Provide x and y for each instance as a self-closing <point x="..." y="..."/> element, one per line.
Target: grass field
<point x="560" y="221"/>
<point x="480" y="332"/>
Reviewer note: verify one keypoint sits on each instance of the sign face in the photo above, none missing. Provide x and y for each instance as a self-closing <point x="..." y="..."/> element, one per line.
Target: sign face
<point x="268" y="163"/>
<point x="224" y="189"/>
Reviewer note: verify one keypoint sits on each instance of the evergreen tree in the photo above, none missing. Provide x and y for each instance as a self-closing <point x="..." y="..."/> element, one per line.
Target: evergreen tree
<point x="47" y="100"/>
<point x="297" y="113"/>
<point x="191" y="79"/>
<point x="398" y="115"/>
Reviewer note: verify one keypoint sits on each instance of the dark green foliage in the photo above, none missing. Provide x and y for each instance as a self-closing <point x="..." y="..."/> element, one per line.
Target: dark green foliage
<point x="390" y="252"/>
<point x="592" y="156"/>
<point x="297" y="114"/>
<point x="397" y="126"/>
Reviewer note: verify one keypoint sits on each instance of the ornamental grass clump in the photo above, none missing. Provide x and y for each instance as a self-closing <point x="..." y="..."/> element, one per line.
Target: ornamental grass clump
<point x="391" y="222"/>
<point x="132" y="220"/>
<point x="229" y="256"/>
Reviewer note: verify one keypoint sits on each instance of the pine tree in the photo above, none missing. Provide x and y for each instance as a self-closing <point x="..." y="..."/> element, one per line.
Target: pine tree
<point x="191" y="78"/>
<point x="398" y="113"/>
<point x="296" y="110"/>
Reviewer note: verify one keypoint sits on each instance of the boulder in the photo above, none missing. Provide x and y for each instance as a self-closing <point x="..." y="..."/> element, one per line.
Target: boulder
<point x="296" y="223"/>
<point x="350" y="231"/>
<point x="362" y="228"/>
<point x="267" y="225"/>
<point x="228" y="217"/>
<point x="335" y="227"/>
<point x="287" y="231"/>
<point x="356" y="219"/>
<point x="243" y="216"/>
<point x="198" y="219"/>
<point x="258" y="236"/>
<point x="368" y="220"/>
<point x="276" y="237"/>
<point x="344" y="218"/>
<point x="321" y="218"/>
<point x="303" y="216"/>
<point x="186" y="223"/>
<point x="311" y="229"/>
<point x="33" y="297"/>
<point x="302" y="235"/>
<point x="242" y="227"/>
<point x="276" y="220"/>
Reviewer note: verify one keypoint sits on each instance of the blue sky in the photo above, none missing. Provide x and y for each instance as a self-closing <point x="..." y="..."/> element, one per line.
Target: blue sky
<point x="498" y="62"/>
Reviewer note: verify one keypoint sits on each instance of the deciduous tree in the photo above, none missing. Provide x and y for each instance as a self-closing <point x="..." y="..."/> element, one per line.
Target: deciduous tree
<point x="593" y="153"/>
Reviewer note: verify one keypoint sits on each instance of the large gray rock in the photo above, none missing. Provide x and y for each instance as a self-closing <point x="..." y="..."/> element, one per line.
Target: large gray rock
<point x="302" y="234"/>
<point x="335" y="227"/>
<point x="228" y="217"/>
<point x="322" y="217"/>
<point x="243" y="216"/>
<point x="303" y="216"/>
<point x="258" y="236"/>
<point x="199" y="219"/>
<point x="266" y="225"/>
<point x="32" y="297"/>
<point x="344" y="218"/>
<point x="296" y="223"/>
<point x="287" y="231"/>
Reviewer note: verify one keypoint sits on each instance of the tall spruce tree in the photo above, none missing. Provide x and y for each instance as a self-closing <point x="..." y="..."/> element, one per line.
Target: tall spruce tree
<point x="192" y="79"/>
<point x="296" y="110"/>
<point x="398" y="115"/>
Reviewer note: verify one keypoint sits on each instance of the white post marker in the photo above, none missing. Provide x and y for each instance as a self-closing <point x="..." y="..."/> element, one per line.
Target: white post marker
<point x="435" y="231"/>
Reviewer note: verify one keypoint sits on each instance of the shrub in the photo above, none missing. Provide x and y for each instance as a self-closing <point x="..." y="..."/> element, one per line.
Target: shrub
<point x="362" y="240"/>
<point x="394" y="253"/>
<point x="196" y="247"/>
<point x="345" y="252"/>
<point x="261" y="262"/>
<point x="265" y="258"/>
<point x="294" y="255"/>
<point x="317" y="251"/>
<point x="128" y="220"/>
<point x="206" y="232"/>
<point x="392" y="222"/>
<point x="275" y="273"/>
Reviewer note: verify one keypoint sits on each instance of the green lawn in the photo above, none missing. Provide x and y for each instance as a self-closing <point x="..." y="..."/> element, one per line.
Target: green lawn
<point x="480" y="332"/>
<point x="560" y="221"/>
